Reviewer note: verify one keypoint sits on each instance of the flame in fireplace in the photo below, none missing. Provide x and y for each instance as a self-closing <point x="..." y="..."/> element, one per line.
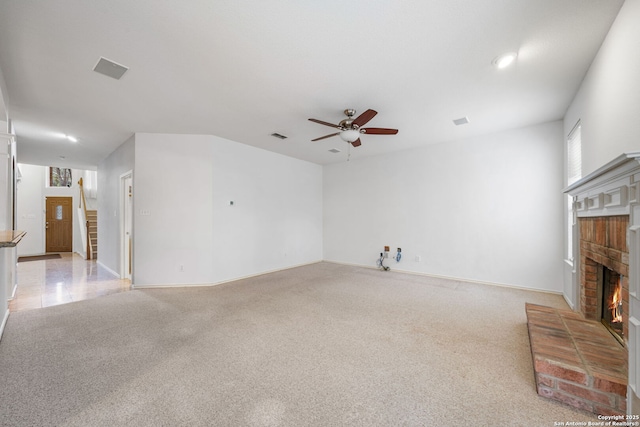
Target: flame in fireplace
<point x="616" y="304"/>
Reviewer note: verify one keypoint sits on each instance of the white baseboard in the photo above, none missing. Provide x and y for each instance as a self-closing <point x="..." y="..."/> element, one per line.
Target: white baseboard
<point x="396" y="270"/>
<point x="4" y="322"/>
<point x="457" y="279"/>
<point x="569" y="303"/>
<point x="108" y="269"/>
<point x="184" y="285"/>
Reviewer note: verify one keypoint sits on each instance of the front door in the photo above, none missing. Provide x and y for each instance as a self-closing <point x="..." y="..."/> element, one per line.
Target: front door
<point x="59" y="226"/>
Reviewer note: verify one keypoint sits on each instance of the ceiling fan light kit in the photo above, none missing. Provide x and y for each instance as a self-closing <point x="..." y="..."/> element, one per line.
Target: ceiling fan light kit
<point x="350" y="135"/>
<point x="350" y="128"/>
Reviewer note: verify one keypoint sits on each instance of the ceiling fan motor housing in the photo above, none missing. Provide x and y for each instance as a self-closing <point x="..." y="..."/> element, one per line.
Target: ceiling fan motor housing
<point x="347" y="123"/>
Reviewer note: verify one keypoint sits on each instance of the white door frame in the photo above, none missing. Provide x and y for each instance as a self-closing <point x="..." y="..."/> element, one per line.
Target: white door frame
<point x="126" y="225"/>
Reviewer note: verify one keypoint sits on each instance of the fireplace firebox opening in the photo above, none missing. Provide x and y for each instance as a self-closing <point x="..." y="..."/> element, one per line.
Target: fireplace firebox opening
<point x="610" y="306"/>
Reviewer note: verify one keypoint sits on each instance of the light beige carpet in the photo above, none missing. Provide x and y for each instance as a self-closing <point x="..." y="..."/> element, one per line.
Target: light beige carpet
<point x="320" y="345"/>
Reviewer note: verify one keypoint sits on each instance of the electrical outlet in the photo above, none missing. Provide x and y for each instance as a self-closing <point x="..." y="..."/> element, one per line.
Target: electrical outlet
<point x="418" y="258"/>
<point x="181" y="268"/>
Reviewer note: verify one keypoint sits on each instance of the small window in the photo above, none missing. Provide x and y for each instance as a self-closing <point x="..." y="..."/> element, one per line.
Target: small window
<point x="574" y="154"/>
<point x="59" y="177"/>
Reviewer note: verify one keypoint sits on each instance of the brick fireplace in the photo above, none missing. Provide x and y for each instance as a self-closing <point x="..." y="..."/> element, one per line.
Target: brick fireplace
<point x="603" y="245"/>
<point x="576" y="359"/>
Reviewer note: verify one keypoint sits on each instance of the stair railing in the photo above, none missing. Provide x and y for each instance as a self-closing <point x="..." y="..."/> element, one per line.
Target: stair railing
<point x="83" y="210"/>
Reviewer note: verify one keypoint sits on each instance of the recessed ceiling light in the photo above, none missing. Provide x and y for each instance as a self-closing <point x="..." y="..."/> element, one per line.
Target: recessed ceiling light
<point x="461" y="121"/>
<point x="65" y="136"/>
<point x="504" y="60"/>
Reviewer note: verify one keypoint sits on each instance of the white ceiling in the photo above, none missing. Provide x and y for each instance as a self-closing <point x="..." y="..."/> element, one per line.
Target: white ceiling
<point x="245" y="69"/>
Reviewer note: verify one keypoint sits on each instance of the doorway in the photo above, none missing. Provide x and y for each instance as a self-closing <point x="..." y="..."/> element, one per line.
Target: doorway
<point x="126" y="225"/>
<point x="59" y="224"/>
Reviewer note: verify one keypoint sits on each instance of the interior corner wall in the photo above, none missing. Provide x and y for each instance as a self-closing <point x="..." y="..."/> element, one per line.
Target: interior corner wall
<point x="110" y="169"/>
<point x="608" y="100"/>
<point x="486" y="209"/>
<point x="186" y="231"/>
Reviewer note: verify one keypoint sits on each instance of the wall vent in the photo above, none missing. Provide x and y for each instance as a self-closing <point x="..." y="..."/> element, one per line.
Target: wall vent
<point x="279" y="135"/>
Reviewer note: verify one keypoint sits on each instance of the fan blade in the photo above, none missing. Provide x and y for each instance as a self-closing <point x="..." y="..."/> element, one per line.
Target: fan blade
<point x="325" y="123"/>
<point x="326" y="136"/>
<point x="363" y="118"/>
<point x="379" y="131"/>
<point x="356" y="143"/>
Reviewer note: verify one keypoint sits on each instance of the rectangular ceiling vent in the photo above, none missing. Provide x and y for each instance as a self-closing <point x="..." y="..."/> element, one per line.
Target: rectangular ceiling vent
<point x="334" y="150"/>
<point x="110" y="68"/>
<point x="278" y="135"/>
<point x="461" y="121"/>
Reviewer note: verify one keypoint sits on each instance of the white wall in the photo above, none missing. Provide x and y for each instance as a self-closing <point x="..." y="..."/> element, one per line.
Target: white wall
<point x="31" y="208"/>
<point x="485" y="209"/>
<point x="109" y="170"/>
<point x="6" y="194"/>
<point x="276" y="219"/>
<point x="608" y="101"/>
<point x="4" y="103"/>
<point x="182" y="188"/>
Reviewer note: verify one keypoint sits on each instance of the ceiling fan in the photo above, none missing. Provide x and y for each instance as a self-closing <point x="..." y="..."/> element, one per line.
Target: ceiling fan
<point x="350" y="128"/>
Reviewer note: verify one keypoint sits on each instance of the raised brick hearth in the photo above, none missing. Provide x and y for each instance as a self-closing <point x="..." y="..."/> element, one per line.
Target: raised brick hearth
<point x="577" y="361"/>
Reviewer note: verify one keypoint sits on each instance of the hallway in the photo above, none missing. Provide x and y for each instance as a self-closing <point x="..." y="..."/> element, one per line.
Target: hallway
<point x="66" y="279"/>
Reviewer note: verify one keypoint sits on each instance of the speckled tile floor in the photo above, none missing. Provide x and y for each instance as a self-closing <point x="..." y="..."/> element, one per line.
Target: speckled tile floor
<point x="58" y="281"/>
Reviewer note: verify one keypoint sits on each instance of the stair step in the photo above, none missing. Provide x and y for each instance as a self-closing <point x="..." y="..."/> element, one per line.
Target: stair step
<point x="92" y="224"/>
